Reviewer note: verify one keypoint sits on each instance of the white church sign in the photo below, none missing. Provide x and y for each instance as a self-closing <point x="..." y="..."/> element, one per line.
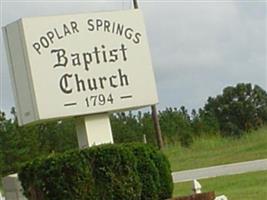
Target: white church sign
<point x="79" y="64"/>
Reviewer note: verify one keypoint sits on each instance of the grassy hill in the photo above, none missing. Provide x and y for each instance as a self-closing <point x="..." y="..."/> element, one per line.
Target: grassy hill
<point x="215" y="150"/>
<point x="249" y="186"/>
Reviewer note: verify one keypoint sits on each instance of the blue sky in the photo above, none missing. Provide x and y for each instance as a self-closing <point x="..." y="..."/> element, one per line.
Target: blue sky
<point x="197" y="47"/>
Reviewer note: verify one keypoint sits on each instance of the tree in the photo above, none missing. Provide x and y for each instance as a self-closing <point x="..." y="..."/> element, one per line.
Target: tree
<point x="147" y="127"/>
<point x="57" y="136"/>
<point x="204" y="123"/>
<point x="239" y="108"/>
<point x="22" y="144"/>
<point x="126" y="127"/>
<point x="176" y="126"/>
<point x="2" y="128"/>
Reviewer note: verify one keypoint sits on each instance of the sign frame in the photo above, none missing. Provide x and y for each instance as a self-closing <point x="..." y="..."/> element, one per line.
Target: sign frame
<point x="26" y="90"/>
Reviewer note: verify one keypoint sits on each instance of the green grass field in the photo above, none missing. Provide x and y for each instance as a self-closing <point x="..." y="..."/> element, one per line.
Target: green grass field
<point x="215" y="150"/>
<point x="249" y="186"/>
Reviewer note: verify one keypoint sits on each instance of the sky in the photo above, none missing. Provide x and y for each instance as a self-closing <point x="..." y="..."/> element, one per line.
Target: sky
<point x="197" y="47"/>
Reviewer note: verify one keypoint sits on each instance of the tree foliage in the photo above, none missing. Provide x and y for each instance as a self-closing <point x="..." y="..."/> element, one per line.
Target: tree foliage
<point x="239" y="108"/>
<point x="126" y="127"/>
<point x="21" y="144"/>
<point x="175" y="125"/>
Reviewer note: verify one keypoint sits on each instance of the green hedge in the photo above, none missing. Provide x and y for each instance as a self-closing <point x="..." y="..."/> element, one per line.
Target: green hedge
<point x="154" y="171"/>
<point x="128" y="171"/>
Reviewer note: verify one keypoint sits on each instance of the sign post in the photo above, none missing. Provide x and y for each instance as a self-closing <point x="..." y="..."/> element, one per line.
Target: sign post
<point x="93" y="130"/>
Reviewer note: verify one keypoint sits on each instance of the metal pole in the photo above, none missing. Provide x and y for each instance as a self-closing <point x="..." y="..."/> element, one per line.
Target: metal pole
<point x="135" y="4"/>
<point x="154" y="109"/>
<point x="157" y="126"/>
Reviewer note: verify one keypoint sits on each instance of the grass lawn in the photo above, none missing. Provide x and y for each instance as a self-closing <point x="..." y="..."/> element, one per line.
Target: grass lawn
<point x="249" y="186"/>
<point x="215" y="150"/>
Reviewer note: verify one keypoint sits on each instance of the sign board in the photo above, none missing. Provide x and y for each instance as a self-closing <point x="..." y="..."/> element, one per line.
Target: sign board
<point x="80" y="64"/>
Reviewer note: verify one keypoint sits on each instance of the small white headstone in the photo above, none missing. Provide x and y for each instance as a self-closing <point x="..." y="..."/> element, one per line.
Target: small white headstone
<point x="144" y="138"/>
<point x="12" y="188"/>
<point x="222" y="197"/>
<point x="196" y="187"/>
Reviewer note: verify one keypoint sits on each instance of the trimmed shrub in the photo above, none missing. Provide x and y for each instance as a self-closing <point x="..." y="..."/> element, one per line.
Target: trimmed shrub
<point x="114" y="172"/>
<point x="134" y="171"/>
<point x="157" y="182"/>
<point x="65" y="176"/>
<point x="147" y="171"/>
<point x="165" y="177"/>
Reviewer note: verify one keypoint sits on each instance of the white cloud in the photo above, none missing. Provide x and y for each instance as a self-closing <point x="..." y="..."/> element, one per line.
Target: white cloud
<point x="200" y="48"/>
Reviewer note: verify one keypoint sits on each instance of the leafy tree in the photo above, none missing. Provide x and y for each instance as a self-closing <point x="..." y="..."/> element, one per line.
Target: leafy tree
<point x="17" y="144"/>
<point x="21" y="144"/>
<point x="239" y="108"/>
<point x="147" y="127"/>
<point x="176" y="126"/>
<point x="126" y="127"/>
<point x="204" y="123"/>
<point x="2" y="128"/>
<point x="129" y="127"/>
<point x="57" y="136"/>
